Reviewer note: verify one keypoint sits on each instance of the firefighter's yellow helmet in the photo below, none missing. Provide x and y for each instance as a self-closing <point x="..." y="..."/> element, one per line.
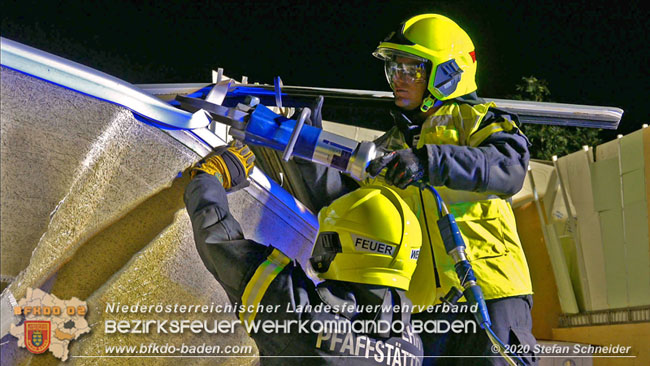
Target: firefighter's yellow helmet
<point x="367" y="236"/>
<point x="443" y="46"/>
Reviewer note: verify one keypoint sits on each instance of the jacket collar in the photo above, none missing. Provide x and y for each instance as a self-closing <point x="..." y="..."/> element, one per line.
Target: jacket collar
<point x="471" y="98"/>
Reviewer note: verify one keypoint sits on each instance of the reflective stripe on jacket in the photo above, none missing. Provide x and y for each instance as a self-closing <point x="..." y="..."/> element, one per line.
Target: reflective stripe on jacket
<point x="477" y="156"/>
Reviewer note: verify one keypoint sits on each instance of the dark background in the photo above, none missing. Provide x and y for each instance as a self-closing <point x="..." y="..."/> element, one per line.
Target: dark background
<point x="590" y="52"/>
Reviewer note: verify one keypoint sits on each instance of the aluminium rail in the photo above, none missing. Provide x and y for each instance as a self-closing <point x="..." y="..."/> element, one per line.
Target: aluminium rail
<point x="560" y="114"/>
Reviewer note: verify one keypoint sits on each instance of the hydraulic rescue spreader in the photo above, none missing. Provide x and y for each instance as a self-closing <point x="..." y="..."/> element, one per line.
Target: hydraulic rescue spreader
<point x="256" y="124"/>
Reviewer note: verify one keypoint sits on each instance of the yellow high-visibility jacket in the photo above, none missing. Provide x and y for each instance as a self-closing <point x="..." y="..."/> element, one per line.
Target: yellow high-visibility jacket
<point x="477" y="158"/>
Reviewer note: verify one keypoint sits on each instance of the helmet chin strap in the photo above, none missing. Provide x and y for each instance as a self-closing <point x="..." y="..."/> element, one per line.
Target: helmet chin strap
<point x="417" y="115"/>
<point x="430" y="102"/>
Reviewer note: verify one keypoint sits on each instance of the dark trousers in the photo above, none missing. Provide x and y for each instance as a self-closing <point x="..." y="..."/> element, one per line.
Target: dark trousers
<point x="511" y="321"/>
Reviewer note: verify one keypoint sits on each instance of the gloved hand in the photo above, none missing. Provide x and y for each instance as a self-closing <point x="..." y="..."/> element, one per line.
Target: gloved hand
<point x="231" y="164"/>
<point x="316" y="118"/>
<point x="404" y="167"/>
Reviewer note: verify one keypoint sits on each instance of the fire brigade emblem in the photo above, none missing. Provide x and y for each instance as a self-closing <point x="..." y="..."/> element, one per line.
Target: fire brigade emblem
<point x="37" y="335"/>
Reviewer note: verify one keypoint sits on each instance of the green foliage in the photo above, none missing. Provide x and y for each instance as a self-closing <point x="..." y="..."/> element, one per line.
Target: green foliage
<point x="549" y="140"/>
<point x="533" y="89"/>
<point x="558" y="140"/>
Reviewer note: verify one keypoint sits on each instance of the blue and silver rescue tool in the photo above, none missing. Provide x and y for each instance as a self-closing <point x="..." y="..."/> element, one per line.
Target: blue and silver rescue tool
<point x="258" y="125"/>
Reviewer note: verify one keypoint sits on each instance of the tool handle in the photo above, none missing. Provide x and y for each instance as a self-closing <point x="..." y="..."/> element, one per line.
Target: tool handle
<point x="288" y="151"/>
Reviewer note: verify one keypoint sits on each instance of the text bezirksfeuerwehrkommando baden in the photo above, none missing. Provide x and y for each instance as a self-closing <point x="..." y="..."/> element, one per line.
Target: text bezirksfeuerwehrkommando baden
<point x="338" y="325"/>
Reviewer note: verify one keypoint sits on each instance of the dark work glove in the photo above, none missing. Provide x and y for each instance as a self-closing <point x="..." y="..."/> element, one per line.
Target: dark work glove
<point x="316" y="118"/>
<point x="231" y="164"/>
<point x="405" y="167"/>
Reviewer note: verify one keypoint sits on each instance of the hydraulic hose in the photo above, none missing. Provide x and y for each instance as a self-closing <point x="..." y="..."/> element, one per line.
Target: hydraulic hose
<point x="455" y="247"/>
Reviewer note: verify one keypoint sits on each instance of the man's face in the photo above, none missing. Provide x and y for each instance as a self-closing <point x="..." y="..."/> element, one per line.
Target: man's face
<point x="408" y="79"/>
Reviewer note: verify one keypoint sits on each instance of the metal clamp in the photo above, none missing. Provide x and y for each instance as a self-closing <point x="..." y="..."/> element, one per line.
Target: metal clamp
<point x="286" y="155"/>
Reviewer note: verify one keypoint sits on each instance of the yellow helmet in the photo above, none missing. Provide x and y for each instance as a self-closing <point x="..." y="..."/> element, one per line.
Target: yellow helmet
<point x="368" y="236"/>
<point x="440" y="41"/>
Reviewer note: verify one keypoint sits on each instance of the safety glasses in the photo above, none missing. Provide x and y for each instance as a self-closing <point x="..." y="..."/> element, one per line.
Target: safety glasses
<point x="405" y="72"/>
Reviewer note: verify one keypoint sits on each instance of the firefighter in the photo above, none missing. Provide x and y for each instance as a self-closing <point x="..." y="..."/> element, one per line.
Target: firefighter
<point x="366" y="251"/>
<point x="475" y="155"/>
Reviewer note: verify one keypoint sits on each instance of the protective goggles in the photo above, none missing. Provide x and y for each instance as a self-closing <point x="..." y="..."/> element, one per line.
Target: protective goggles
<point x="405" y="72"/>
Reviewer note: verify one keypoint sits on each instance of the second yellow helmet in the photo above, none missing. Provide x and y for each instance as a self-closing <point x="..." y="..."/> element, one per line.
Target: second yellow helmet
<point x="368" y="236"/>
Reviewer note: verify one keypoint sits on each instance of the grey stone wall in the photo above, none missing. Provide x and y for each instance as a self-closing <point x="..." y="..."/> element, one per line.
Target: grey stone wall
<point x="91" y="207"/>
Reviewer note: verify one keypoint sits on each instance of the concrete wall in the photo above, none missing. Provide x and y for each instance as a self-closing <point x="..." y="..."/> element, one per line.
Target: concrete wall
<point x="92" y="208"/>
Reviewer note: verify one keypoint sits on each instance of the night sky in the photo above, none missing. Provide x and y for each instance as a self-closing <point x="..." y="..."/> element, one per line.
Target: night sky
<point x="590" y="52"/>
